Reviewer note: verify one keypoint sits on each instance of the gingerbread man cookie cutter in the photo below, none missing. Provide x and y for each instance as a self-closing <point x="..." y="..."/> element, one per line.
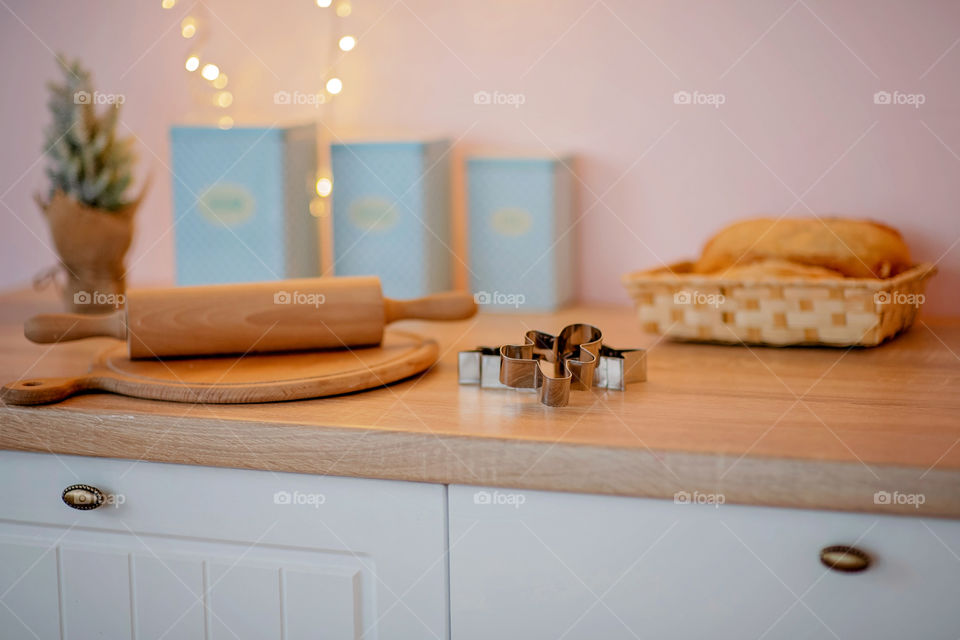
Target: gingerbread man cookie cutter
<point x="553" y="365"/>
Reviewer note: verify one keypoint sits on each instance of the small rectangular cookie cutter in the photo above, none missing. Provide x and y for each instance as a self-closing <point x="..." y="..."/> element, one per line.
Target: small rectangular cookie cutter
<point x="553" y="365"/>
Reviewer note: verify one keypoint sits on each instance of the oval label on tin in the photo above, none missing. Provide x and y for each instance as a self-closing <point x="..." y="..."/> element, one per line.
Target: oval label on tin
<point x="373" y="214"/>
<point x="511" y="222"/>
<point x="227" y="204"/>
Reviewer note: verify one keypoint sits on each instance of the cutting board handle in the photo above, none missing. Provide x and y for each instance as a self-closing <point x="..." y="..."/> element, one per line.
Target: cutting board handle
<point x="42" y="390"/>
<point x="61" y="327"/>
<point x="450" y="305"/>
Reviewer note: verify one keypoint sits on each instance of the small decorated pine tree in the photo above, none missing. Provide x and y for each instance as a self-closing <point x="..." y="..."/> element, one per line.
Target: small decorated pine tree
<point x="88" y="161"/>
<point x="90" y="170"/>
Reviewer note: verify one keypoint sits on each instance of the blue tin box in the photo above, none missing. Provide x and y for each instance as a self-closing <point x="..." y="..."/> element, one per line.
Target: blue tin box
<point x="521" y="242"/>
<point x="241" y="201"/>
<point x="391" y="214"/>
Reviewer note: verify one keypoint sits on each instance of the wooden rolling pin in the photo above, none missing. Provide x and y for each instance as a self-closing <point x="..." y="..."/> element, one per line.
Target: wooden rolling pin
<point x="289" y="315"/>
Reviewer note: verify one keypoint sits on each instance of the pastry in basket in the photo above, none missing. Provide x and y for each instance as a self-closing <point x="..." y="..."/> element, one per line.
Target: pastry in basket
<point x="776" y="269"/>
<point x="853" y="248"/>
<point x="791" y="281"/>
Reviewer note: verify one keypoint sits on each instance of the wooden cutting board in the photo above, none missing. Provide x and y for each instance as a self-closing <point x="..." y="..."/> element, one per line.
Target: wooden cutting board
<point x="235" y="379"/>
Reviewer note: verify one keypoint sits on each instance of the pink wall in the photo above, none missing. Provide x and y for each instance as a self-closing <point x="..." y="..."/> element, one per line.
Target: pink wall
<point x="798" y="130"/>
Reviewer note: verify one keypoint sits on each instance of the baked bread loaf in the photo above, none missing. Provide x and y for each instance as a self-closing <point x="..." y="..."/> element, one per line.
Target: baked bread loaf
<point x="852" y="248"/>
<point x="775" y="269"/>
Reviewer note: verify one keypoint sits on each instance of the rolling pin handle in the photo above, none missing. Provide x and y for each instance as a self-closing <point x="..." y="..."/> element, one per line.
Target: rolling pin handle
<point x="62" y="327"/>
<point x="450" y="305"/>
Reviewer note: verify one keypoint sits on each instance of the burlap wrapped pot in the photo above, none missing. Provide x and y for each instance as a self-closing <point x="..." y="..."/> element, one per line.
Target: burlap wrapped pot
<point x="92" y="244"/>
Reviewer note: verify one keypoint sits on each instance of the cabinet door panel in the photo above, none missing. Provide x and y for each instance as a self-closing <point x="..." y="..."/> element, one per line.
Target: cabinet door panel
<point x="321" y="606"/>
<point x="29" y="591"/>
<point x="551" y="565"/>
<point x="168" y="594"/>
<point x="194" y="552"/>
<point x="244" y="602"/>
<point x="96" y="593"/>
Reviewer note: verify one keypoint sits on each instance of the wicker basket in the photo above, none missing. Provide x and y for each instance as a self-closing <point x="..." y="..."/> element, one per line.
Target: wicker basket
<point x="776" y="311"/>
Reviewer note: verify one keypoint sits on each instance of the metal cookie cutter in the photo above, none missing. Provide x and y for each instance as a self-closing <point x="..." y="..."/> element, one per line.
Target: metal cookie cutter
<point x="574" y="359"/>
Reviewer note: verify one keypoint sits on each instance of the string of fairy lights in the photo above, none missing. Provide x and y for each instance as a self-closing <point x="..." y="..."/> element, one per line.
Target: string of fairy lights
<point x="214" y="80"/>
<point x="192" y="28"/>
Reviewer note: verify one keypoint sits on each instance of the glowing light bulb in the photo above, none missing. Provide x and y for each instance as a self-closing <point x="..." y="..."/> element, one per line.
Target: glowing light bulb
<point x="347" y="43"/>
<point x="188" y="28"/>
<point x="324" y="187"/>
<point x="192" y="63"/>
<point x="210" y="71"/>
<point x="334" y="85"/>
<point x="221" y="81"/>
<point x="343" y="9"/>
<point x="323" y="4"/>
<point x="168" y="4"/>
<point x="225" y="122"/>
<point x="224" y="99"/>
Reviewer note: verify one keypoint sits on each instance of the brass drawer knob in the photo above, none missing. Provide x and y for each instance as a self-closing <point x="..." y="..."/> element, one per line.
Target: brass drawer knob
<point x="844" y="558"/>
<point x="83" y="497"/>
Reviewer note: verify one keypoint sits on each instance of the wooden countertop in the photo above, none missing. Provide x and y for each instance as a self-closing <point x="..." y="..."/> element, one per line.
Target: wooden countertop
<point x="803" y="427"/>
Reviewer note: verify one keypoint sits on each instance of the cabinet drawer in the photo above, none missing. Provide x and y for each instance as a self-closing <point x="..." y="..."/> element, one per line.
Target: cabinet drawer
<point x="199" y="552"/>
<point x="548" y="565"/>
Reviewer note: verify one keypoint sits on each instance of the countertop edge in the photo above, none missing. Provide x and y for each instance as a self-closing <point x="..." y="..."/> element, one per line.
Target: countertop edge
<point x="496" y="462"/>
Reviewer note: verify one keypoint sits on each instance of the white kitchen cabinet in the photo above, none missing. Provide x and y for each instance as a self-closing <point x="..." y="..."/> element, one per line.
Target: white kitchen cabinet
<point x="530" y="564"/>
<point x="185" y="552"/>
